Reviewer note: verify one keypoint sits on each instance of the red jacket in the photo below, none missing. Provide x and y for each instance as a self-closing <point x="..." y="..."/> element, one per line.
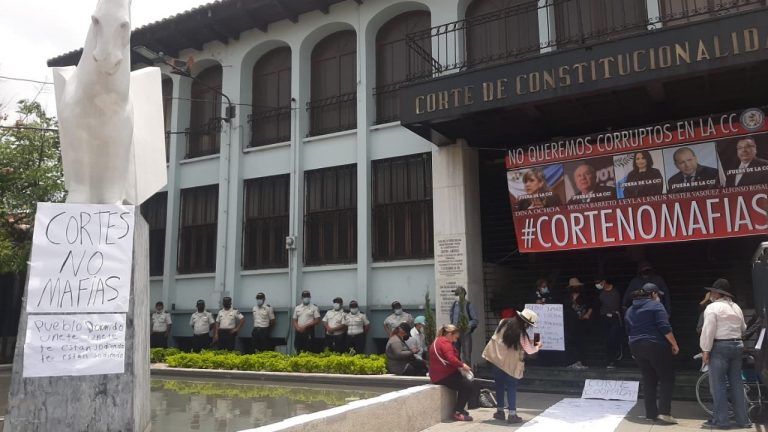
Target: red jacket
<point x="445" y="350"/>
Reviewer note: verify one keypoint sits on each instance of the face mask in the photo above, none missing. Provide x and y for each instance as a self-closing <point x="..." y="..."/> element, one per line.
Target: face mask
<point x="336" y="306"/>
<point x="159" y="310"/>
<point x="354" y="311"/>
<point x="259" y="302"/>
<point x="306" y="300"/>
<point x="599" y="286"/>
<point x="545" y="290"/>
<point x="398" y="311"/>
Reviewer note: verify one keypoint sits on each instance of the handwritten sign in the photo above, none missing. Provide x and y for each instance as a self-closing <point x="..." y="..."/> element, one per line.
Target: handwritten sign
<point x="74" y="345"/>
<point x="81" y="258"/>
<point x="610" y="390"/>
<point x="550" y="326"/>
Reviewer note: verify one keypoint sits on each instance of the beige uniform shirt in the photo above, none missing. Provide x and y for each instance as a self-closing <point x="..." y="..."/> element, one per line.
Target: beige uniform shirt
<point x="356" y="323"/>
<point x="334" y="319"/>
<point x="262" y="315"/>
<point x="161" y="321"/>
<point x="201" y="322"/>
<point x="305" y="314"/>
<point x="227" y="319"/>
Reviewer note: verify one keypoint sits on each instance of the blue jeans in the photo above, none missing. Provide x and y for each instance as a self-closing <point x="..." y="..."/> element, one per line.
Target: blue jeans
<point x="504" y="382"/>
<point x="725" y="372"/>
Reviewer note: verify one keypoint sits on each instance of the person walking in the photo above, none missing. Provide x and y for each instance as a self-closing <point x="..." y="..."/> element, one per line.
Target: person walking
<point x="653" y="344"/>
<point x="263" y="322"/>
<point x="722" y="347"/>
<point x="506" y="353"/>
<point x="445" y="367"/>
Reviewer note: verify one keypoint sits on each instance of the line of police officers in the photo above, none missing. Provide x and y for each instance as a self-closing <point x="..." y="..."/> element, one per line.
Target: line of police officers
<point x="344" y="330"/>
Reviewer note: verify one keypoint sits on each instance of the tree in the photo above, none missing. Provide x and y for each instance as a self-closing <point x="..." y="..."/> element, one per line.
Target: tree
<point x="30" y="172"/>
<point x="429" y="316"/>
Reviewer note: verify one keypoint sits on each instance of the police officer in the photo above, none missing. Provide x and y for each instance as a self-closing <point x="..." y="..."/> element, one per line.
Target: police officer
<point x="357" y="327"/>
<point x="305" y="317"/>
<point x="397" y="317"/>
<point x="201" y="322"/>
<point x="228" y="323"/>
<point x="263" y="321"/>
<point x="161" y="327"/>
<point x="335" y="329"/>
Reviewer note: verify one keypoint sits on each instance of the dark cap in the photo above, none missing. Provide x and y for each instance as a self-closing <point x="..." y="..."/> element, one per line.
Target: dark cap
<point x="227" y="298"/>
<point x="260" y="296"/>
<point x="305" y="293"/>
<point x="396" y="304"/>
<point x="338" y="300"/>
<point x="353" y="303"/>
<point x="201" y="301"/>
<point x="460" y="290"/>
<point x="159" y="303"/>
<point x="650" y="288"/>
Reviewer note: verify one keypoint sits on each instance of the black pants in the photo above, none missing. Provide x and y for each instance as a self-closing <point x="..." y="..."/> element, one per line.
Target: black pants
<point x="227" y="339"/>
<point x="158" y="340"/>
<point x="201" y="342"/>
<point x="261" y="340"/>
<point x="415" y="367"/>
<point x="456" y="381"/>
<point x="614" y="335"/>
<point x="357" y="343"/>
<point x="336" y="343"/>
<point x="655" y="362"/>
<point x="575" y="340"/>
<point x="303" y="341"/>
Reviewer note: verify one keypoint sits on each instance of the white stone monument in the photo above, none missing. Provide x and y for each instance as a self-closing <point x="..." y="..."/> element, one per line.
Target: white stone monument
<point x="82" y="355"/>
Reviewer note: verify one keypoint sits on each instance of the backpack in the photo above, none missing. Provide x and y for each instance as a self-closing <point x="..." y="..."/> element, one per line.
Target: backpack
<point x="487" y="400"/>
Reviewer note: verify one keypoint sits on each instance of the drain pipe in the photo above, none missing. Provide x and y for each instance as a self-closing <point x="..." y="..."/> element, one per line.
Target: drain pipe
<point x="293" y="224"/>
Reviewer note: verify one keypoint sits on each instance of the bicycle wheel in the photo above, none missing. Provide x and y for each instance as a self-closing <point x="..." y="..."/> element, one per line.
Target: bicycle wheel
<point x="703" y="395"/>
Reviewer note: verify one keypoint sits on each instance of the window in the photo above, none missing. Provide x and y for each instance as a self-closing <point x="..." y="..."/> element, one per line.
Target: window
<point x="577" y="21"/>
<point x="330" y="219"/>
<point x="392" y="57"/>
<point x="167" y="89"/>
<point x="684" y="11"/>
<point x="271" y="118"/>
<point x="154" y="211"/>
<point x="402" y="208"/>
<point x="197" y="229"/>
<point x="501" y="29"/>
<point x="333" y="104"/>
<point x="266" y="222"/>
<point x="205" y="120"/>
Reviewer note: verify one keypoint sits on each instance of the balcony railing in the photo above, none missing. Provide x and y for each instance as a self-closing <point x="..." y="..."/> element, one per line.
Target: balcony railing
<point x="204" y="139"/>
<point x="333" y="114"/>
<point x="516" y="32"/>
<point x="387" y="103"/>
<point x="270" y="126"/>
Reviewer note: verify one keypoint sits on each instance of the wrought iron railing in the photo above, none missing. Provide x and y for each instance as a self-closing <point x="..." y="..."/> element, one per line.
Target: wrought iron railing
<point x="270" y="126"/>
<point x="387" y="102"/>
<point x="204" y="140"/>
<point x="531" y="28"/>
<point x="333" y="114"/>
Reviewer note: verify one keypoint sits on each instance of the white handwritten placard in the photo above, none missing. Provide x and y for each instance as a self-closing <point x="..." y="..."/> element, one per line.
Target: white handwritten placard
<point x="73" y="345"/>
<point x="610" y="390"/>
<point x="81" y="258"/>
<point x="550" y="326"/>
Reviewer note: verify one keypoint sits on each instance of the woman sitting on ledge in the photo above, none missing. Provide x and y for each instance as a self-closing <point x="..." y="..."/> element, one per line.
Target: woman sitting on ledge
<point x="445" y="369"/>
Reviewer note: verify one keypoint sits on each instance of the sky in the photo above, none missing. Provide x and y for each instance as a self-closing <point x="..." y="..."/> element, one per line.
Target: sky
<point x="33" y="31"/>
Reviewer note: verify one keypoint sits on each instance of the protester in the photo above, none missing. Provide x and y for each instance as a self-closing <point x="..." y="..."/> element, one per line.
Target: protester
<point x="506" y="352"/>
<point x="418" y="339"/>
<point x="610" y="319"/>
<point x="445" y="367"/>
<point x="465" y="340"/>
<point x="357" y="327"/>
<point x="653" y="344"/>
<point x="229" y="321"/>
<point x="401" y="359"/>
<point x="578" y="312"/>
<point x="397" y="317"/>
<point x="646" y="274"/>
<point x="161" y="327"/>
<point x="722" y="347"/>
<point x="541" y="294"/>
<point x="335" y="328"/>
<point x="305" y="317"/>
<point x="263" y="322"/>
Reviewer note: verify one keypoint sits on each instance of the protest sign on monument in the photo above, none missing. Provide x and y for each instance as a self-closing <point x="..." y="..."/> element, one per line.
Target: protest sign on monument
<point x="81" y="255"/>
<point x="550" y="326"/>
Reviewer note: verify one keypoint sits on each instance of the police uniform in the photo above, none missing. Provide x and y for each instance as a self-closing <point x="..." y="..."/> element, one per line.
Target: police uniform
<point x="227" y="319"/>
<point x="305" y="314"/>
<point x="201" y="329"/>
<point x="356" y="331"/>
<point x="262" y="316"/>
<point x="394" y="320"/>
<point x="160" y="323"/>
<point x="335" y="340"/>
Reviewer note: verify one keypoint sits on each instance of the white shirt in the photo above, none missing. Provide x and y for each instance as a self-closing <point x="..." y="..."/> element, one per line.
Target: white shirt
<point x="161" y="321"/>
<point x="334" y="319"/>
<point x="262" y="315"/>
<point x="417" y="340"/>
<point x="356" y="323"/>
<point x="305" y="314"/>
<point x="201" y="322"/>
<point x="723" y="319"/>
<point x="227" y="319"/>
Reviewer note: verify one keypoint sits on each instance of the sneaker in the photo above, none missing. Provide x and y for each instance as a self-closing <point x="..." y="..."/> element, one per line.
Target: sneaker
<point x="461" y="417"/>
<point x="611" y="366"/>
<point x="668" y="419"/>
<point x="514" y="419"/>
<point x="713" y="425"/>
<point x="499" y="415"/>
<point x="746" y="426"/>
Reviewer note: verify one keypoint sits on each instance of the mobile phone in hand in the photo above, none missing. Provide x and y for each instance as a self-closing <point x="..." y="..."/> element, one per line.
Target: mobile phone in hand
<point x="536" y="338"/>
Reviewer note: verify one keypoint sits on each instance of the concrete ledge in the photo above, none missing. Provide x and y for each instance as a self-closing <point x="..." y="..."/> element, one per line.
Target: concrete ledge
<point x="410" y="410"/>
<point x="6" y="367"/>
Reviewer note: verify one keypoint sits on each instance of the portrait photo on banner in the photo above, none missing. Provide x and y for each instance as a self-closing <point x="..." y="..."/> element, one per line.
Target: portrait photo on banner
<point x="744" y="160"/>
<point x="537" y="187"/>
<point x="692" y="168"/>
<point x="590" y="180"/>
<point x="639" y="174"/>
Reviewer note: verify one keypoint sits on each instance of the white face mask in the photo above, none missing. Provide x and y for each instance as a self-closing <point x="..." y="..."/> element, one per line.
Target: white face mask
<point x="259" y="302"/>
<point x="336" y="306"/>
<point x="599" y="286"/>
<point x="306" y="300"/>
<point x="354" y="311"/>
<point x="398" y="311"/>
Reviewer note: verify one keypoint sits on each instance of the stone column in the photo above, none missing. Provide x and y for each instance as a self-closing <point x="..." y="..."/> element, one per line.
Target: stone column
<point x="458" y="247"/>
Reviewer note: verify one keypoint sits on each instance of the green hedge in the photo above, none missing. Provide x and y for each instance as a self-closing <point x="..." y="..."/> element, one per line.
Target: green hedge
<point x="158" y="355"/>
<point x="326" y="362"/>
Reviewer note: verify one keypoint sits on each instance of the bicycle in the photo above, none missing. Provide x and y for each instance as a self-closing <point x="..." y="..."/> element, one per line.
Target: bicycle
<point x="754" y="391"/>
